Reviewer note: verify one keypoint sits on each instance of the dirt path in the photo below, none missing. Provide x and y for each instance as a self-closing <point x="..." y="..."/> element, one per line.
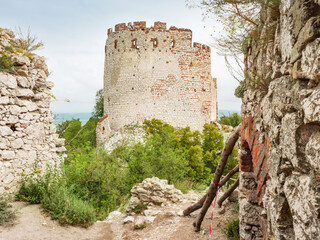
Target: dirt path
<point x="33" y="224"/>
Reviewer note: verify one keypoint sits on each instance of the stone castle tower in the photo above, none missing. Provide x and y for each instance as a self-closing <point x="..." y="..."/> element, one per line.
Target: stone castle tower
<point x="156" y="73"/>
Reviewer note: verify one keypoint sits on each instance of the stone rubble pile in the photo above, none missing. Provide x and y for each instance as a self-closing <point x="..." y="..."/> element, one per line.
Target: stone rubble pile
<point x="27" y="132"/>
<point x="155" y="191"/>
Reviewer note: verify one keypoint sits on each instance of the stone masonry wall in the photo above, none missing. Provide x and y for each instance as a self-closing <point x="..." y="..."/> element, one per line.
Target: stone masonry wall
<point x="27" y="132"/>
<point x="157" y="73"/>
<point x="280" y="136"/>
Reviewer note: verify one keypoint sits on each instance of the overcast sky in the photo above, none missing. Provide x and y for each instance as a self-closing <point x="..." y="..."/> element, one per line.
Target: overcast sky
<point x="74" y="34"/>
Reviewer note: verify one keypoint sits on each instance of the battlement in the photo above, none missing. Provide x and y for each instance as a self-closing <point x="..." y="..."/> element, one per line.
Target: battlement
<point x="142" y="25"/>
<point x="137" y="36"/>
<point x="201" y="46"/>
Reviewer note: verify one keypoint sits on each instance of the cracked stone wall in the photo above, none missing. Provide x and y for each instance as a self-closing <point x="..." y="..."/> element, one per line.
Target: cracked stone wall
<point x="280" y="136"/>
<point x="27" y="132"/>
<point x="155" y="72"/>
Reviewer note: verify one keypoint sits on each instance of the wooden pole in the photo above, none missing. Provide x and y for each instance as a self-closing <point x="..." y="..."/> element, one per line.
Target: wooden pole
<point x="208" y="198"/>
<point x="228" y="193"/>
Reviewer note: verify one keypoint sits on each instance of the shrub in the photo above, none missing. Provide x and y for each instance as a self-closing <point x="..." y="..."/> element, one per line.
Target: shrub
<point x="5" y="62"/>
<point x="51" y="190"/>
<point x="232" y="230"/>
<point x="104" y="180"/>
<point x="239" y="91"/>
<point x="28" y="41"/>
<point x="232" y="120"/>
<point x="7" y="214"/>
<point x="78" y="137"/>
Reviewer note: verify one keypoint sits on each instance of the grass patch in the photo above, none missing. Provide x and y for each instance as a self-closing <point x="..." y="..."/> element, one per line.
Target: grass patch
<point x="56" y="198"/>
<point x="187" y="185"/>
<point x="7" y="214"/>
<point x="232" y="230"/>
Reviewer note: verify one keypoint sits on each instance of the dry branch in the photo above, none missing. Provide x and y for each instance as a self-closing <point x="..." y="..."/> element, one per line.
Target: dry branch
<point x="228" y="193"/>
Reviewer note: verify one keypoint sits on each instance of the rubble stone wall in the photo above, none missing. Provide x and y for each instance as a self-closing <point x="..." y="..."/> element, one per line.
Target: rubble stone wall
<point x="280" y="136"/>
<point x="155" y="72"/>
<point x="27" y="132"/>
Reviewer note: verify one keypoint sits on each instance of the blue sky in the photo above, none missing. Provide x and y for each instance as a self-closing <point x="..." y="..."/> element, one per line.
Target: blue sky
<point x="74" y="34"/>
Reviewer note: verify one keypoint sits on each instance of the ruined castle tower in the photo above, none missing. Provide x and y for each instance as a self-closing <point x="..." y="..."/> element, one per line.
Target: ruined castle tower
<point x="156" y="73"/>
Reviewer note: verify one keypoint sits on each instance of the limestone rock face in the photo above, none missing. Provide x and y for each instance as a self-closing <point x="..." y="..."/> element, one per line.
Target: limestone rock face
<point x="27" y="132"/>
<point x="280" y="136"/>
<point x="153" y="190"/>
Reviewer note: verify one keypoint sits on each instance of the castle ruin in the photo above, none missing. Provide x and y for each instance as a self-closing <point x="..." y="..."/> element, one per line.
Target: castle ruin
<point x="27" y="132"/>
<point x="156" y="73"/>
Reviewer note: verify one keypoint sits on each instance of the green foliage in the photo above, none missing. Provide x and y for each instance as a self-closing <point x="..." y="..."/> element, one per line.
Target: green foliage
<point x="78" y="137"/>
<point x="8" y="49"/>
<point x="232" y="120"/>
<point x="98" y="178"/>
<point x="7" y="214"/>
<point x="185" y="158"/>
<point x="239" y="91"/>
<point x="5" y="62"/>
<point x="245" y="45"/>
<point x="258" y="82"/>
<point x="232" y="230"/>
<point x="98" y="107"/>
<point x="186" y="185"/>
<point x="57" y="198"/>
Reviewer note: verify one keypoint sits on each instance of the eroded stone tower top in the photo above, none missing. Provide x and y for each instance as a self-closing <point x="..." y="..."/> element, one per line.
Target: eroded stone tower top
<point x="155" y="72"/>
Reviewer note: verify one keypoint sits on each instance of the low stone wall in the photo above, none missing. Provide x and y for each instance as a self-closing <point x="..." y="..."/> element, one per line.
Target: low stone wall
<point x="27" y="132"/>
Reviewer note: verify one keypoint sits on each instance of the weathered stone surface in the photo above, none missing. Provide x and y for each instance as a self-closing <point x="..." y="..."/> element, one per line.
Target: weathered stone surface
<point x="19" y="59"/>
<point x="22" y="92"/>
<point x="311" y="107"/>
<point x="8" y="80"/>
<point x="280" y="136"/>
<point x="153" y="190"/>
<point x="27" y="132"/>
<point x="7" y="155"/>
<point x="4" y="131"/>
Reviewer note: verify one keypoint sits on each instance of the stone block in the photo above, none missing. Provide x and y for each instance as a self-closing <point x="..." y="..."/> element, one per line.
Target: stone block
<point x="7" y="155"/>
<point x="8" y="80"/>
<point x="5" y="131"/>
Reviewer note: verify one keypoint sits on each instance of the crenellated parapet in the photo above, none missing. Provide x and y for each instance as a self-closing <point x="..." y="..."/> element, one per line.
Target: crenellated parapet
<point x="172" y="38"/>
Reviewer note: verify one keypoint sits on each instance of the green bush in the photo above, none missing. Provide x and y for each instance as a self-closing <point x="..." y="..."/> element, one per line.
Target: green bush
<point x="5" y="62"/>
<point x="78" y="137"/>
<point x="185" y="158"/>
<point x="232" y="230"/>
<point x="239" y="91"/>
<point x="98" y="178"/>
<point x="232" y="120"/>
<point x="7" y="214"/>
<point x="56" y="197"/>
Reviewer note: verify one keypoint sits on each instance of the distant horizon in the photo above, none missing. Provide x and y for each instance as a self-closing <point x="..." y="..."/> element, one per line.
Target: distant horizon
<point x="233" y="110"/>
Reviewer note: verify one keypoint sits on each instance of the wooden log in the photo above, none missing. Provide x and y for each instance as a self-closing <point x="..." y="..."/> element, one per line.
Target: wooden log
<point x="228" y="193"/>
<point x="199" y="204"/>
<point x="207" y="199"/>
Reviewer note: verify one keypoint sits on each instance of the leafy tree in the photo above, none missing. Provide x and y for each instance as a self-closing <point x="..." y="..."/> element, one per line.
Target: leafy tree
<point x="211" y="145"/>
<point x="78" y="137"/>
<point x="232" y="120"/>
<point x="98" y="107"/>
